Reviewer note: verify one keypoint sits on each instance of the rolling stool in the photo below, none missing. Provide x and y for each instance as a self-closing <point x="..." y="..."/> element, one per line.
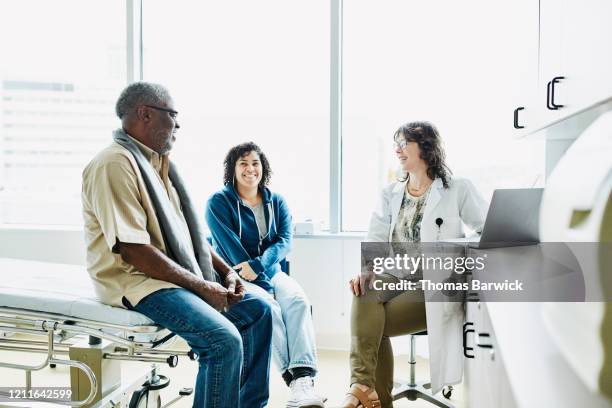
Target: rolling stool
<point x="419" y="389"/>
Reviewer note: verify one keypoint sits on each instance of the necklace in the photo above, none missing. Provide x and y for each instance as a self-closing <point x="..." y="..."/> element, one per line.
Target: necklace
<point x="411" y="188"/>
<point x="419" y="189"/>
<point x="414" y="189"/>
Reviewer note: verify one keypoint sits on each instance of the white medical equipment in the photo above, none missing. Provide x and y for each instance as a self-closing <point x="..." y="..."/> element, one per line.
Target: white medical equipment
<point x="577" y="207"/>
<point x="52" y="309"/>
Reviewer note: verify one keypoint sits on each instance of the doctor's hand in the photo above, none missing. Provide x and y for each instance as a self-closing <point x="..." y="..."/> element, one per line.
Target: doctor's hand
<point x="245" y="271"/>
<point x="361" y="282"/>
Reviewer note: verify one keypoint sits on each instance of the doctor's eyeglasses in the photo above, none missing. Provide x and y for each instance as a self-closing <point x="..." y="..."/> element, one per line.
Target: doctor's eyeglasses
<point x="401" y="144"/>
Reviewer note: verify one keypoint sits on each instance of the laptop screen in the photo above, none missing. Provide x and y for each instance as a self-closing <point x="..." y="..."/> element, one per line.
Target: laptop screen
<point x="513" y="218"/>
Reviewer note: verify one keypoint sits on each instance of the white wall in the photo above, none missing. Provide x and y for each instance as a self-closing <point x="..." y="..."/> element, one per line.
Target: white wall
<point x="49" y="244"/>
<point x="323" y="266"/>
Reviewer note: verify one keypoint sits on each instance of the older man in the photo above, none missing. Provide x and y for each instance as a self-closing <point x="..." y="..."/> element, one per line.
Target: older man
<point x="146" y="252"/>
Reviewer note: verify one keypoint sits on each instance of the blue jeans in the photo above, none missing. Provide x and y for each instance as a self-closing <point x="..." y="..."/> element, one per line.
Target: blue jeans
<point x="293" y="337"/>
<point x="233" y="347"/>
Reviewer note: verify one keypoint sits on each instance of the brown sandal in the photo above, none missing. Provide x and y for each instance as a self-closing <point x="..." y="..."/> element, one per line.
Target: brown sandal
<point x="362" y="396"/>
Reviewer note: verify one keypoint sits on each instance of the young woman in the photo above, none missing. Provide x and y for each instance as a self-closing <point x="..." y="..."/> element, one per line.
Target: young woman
<point x="251" y="229"/>
<point x="410" y="212"/>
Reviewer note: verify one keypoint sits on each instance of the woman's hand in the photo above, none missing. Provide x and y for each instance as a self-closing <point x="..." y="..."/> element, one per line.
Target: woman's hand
<point x="245" y="271"/>
<point x="361" y="282"/>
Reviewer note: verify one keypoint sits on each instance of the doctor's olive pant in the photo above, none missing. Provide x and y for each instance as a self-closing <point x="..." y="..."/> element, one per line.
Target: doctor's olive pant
<point x="375" y="317"/>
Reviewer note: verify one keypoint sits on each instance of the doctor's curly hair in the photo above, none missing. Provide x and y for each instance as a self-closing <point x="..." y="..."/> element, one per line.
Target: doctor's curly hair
<point x="241" y="150"/>
<point x="427" y="137"/>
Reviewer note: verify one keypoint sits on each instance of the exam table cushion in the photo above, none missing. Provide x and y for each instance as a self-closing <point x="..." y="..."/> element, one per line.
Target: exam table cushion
<point x="60" y="289"/>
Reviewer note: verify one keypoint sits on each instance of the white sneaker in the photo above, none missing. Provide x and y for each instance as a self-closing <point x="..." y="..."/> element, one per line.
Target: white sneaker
<point x="303" y="395"/>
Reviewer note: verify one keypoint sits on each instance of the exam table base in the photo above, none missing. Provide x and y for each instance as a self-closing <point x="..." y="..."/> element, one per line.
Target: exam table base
<point x="111" y="393"/>
<point x="107" y="372"/>
<point x="94" y="361"/>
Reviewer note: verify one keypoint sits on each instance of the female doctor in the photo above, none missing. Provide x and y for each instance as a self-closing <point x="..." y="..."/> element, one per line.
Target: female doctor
<point x="425" y="206"/>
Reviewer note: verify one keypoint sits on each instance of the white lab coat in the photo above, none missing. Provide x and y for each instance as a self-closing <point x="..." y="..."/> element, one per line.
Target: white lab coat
<point x="459" y="204"/>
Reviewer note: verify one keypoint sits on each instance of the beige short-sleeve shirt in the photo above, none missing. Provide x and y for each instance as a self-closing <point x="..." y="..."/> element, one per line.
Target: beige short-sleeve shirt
<point x="117" y="207"/>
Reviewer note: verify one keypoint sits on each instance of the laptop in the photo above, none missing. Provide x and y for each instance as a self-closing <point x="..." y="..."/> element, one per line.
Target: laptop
<point x="513" y="219"/>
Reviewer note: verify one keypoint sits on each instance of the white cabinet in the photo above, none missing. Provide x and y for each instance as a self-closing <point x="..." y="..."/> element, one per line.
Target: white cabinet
<point x="523" y="47"/>
<point x="551" y="99"/>
<point x="574" y="60"/>
<point x="586" y="59"/>
<point x="317" y="264"/>
<point x="323" y="267"/>
<point x="485" y="374"/>
<point x="472" y="373"/>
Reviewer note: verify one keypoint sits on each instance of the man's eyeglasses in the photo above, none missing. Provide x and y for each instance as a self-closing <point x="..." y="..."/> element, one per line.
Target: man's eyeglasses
<point x="172" y="113"/>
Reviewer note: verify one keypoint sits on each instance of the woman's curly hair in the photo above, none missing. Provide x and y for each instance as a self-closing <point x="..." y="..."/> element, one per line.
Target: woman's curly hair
<point x="427" y="137"/>
<point x="241" y="150"/>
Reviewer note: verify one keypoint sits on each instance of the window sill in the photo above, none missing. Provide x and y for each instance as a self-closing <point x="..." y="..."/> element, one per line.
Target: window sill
<point x="329" y="235"/>
<point x="78" y="228"/>
<point x="45" y="228"/>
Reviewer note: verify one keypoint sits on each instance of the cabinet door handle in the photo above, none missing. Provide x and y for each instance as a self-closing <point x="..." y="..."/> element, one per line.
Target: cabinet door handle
<point x="548" y="88"/>
<point x="465" y="333"/>
<point x="481" y="345"/>
<point x="516" y="116"/>
<point x="552" y="91"/>
<point x="473" y="297"/>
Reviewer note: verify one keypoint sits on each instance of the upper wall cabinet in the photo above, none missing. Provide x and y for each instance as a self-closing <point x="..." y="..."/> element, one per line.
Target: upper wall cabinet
<point x="523" y="47"/>
<point x="551" y="96"/>
<point x="586" y="59"/>
<point x="574" y="69"/>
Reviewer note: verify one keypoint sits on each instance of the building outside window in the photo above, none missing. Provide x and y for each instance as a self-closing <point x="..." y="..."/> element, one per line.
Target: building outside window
<point x="242" y="71"/>
<point x="58" y="84"/>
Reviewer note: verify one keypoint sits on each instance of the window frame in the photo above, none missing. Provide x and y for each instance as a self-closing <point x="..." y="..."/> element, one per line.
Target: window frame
<point x="135" y="72"/>
<point x="135" y="52"/>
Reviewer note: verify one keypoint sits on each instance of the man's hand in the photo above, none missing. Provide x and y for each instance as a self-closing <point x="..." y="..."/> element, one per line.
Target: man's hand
<point x="214" y="294"/>
<point x="359" y="283"/>
<point x="235" y="288"/>
<point x="246" y="272"/>
<point x="154" y="263"/>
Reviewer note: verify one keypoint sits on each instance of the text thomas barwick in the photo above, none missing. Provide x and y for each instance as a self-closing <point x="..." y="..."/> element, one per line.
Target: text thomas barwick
<point x="474" y="285"/>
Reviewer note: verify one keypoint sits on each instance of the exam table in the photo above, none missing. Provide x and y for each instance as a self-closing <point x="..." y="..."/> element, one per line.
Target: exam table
<point x="52" y="309"/>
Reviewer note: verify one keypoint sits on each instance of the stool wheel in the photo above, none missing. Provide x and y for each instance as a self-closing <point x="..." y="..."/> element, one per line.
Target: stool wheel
<point x="447" y="392"/>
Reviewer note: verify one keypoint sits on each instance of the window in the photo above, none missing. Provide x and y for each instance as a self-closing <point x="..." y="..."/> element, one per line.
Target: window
<point x="59" y="79"/>
<point x="247" y="71"/>
<point x="409" y="60"/>
<point x="259" y="71"/>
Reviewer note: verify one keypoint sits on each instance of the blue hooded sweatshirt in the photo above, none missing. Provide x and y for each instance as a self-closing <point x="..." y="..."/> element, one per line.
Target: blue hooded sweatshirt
<point x="236" y="236"/>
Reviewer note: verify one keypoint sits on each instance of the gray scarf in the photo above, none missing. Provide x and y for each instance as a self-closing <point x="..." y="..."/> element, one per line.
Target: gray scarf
<point x="177" y="248"/>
